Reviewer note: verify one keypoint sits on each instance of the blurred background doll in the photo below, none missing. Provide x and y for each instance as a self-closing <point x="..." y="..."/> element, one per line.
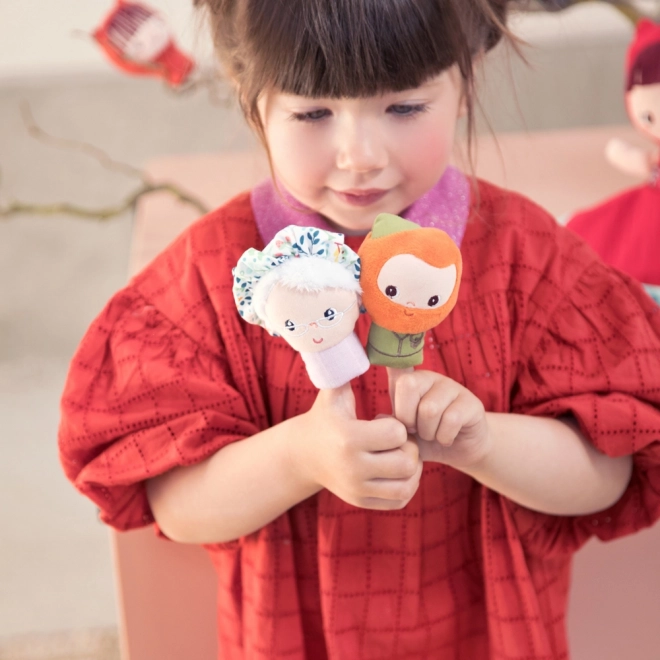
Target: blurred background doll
<point x="304" y="287"/>
<point x="625" y="229"/>
<point x="139" y="42"/>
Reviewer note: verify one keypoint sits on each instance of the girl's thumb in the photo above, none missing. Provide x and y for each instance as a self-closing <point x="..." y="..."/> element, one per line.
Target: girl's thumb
<point x="340" y="400"/>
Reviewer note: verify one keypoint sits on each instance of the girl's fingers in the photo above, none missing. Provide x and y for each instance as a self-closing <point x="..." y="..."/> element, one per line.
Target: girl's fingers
<point x="393" y="376"/>
<point x="408" y="390"/>
<point x="431" y="410"/>
<point x="397" y="490"/>
<point x="458" y="414"/>
<point x="382" y="434"/>
<point x="399" y="463"/>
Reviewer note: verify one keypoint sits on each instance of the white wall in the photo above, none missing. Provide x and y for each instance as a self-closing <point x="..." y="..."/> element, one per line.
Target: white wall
<point x="36" y="36"/>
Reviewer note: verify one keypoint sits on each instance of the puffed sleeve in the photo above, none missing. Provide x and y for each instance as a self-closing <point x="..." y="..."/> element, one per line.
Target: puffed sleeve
<point x="141" y="398"/>
<point x="595" y="355"/>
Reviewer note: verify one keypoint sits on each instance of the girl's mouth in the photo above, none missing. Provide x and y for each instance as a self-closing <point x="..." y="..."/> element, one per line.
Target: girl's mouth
<point x="317" y="341"/>
<point x="358" y="197"/>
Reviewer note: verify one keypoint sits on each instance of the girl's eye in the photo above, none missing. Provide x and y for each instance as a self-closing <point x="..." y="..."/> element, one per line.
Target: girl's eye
<point x="330" y="313"/>
<point x="405" y="110"/>
<point x="391" y="291"/>
<point x="433" y="301"/>
<point x="290" y="325"/>
<point x="648" y="118"/>
<point x="312" y="115"/>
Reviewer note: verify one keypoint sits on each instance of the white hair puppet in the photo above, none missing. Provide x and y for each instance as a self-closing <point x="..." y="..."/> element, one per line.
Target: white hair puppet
<point x="304" y="287"/>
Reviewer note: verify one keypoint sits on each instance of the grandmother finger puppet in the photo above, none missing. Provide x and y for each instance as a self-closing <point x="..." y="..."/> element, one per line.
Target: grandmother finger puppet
<point x="410" y="280"/>
<point x="305" y="287"/>
<point x="625" y="229"/>
<point x="138" y="41"/>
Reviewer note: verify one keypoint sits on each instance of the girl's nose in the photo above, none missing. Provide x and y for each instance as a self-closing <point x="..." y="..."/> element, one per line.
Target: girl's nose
<point x="360" y="148"/>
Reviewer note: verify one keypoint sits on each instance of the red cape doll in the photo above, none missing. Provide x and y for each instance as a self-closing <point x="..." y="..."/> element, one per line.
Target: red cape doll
<point x="625" y="229"/>
<point x="138" y="41"/>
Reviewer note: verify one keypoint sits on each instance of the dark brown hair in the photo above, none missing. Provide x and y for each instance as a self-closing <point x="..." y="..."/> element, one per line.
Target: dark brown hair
<point x="350" y="48"/>
<point x="645" y="70"/>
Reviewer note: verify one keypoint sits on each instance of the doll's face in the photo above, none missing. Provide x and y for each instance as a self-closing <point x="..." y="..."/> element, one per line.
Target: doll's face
<point x="148" y="41"/>
<point x="416" y="285"/>
<point x="312" y="322"/>
<point x="643" y="105"/>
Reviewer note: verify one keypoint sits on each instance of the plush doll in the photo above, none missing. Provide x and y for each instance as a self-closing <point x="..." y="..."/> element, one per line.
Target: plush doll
<point x="625" y="229"/>
<point x="305" y="287"/>
<point x="138" y="41"/>
<point x="410" y="280"/>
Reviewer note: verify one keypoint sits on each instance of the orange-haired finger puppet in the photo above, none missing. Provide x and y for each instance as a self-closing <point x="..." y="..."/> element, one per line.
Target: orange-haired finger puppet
<point x="138" y="41"/>
<point x="410" y="279"/>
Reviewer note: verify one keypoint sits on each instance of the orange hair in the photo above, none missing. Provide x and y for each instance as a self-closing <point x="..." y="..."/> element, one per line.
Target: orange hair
<point x="432" y="246"/>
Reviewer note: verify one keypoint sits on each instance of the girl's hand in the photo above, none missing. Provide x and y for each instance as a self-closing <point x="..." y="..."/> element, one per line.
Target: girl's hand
<point x="448" y="419"/>
<point x="369" y="464"/>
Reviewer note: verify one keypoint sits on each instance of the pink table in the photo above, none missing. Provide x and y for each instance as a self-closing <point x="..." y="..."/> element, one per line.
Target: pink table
<point x="166" y="591"/>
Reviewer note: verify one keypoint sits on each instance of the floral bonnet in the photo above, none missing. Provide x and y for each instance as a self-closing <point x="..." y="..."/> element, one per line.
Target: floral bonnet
<point x="292" y="242"/>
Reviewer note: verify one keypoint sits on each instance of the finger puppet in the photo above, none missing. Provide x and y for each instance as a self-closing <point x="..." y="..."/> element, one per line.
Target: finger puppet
<point x="305" y="287"/>
<point x="625" y="229"/>
<point x="138" y="41"/>
<point x="410" y="280"/>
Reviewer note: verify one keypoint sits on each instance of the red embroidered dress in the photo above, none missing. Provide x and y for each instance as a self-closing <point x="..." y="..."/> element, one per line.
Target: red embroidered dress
<point x="168" y="374"/>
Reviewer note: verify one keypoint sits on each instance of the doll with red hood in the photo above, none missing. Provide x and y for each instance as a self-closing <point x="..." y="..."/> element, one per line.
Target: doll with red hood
<point x="139" y="42"/>
<point x="625" y="229"/>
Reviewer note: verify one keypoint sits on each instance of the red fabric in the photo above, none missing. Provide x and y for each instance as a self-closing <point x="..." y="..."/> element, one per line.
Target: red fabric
<point x="625" y="231"/>
<point x="168" y="374"/>
<point x="647" y="33"/>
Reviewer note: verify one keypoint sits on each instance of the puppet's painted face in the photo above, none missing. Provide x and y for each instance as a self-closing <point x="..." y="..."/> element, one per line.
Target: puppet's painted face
<point x="138" y="34"/>
<point x="643" y="105"/>
<point x="415" y="285"/>
<point x="312" y="322"/>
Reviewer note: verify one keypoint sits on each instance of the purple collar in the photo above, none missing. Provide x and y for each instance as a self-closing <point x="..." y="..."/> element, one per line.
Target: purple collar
<point x="446" y="206"/>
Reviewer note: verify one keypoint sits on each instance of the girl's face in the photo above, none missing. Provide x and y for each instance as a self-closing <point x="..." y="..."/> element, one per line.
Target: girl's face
<point x="350" y="159"/>
<point x="643" y="104"/>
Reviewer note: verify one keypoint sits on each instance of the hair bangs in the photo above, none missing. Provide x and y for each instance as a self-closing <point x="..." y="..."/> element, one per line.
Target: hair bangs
<point x="349" y="49"/>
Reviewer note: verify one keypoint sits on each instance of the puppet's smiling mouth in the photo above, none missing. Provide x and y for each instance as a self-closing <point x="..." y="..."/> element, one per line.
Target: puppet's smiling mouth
<point x="407" y="313"/>
<point x="317" y="341"/>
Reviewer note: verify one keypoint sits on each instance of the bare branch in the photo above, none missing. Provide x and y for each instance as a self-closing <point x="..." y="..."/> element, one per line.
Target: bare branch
<point x="75" y="145"/>
<point x="65" y="208"/>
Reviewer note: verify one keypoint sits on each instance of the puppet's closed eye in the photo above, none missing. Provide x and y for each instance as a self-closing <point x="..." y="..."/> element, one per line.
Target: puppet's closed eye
<point x="391" y="291"/>
<point x="433" y="301"/>
<point x="648" y="118"/>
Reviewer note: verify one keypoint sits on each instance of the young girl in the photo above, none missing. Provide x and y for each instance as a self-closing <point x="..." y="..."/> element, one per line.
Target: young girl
<point x="338" y="530"/>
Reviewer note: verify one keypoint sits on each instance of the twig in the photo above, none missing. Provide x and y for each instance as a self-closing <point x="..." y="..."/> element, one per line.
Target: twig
<point x="75" y="145"/>
<point x="65" y="208"/>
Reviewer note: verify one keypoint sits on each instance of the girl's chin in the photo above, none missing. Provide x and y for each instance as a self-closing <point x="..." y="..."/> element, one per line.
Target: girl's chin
<point x="351" y="228"/>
